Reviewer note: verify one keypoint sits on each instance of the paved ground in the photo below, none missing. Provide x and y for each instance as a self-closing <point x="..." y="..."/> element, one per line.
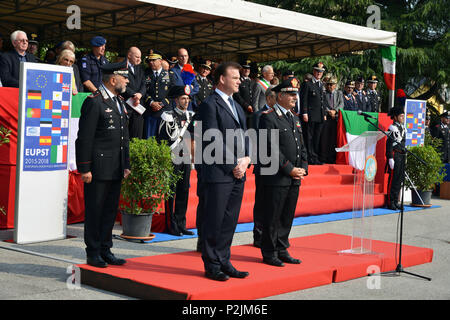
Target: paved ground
<point x="29" y="277"/>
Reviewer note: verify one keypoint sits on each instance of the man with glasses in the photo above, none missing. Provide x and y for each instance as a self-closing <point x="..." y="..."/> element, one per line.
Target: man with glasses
<point x="260" y="86"/>
<point x="10" y="61"/>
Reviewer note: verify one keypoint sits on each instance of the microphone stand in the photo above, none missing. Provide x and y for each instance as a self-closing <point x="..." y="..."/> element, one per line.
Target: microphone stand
<point x="399" y="269"/>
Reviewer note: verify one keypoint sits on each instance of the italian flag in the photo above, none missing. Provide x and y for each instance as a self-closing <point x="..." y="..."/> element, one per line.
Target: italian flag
<point x="388" y="55"/>
<point x="352" y="126"/>
<point x="75" y="112"/>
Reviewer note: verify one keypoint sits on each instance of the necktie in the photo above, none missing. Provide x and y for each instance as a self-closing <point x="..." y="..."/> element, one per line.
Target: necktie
<point x="156" y="74"/>
<point x="233" y="108"/>
<point x="290" y="118"/>
<point x="118" y="104"/>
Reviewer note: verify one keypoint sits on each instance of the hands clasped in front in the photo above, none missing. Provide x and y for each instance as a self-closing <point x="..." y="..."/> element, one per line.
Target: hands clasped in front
<point x="241" y="168"/>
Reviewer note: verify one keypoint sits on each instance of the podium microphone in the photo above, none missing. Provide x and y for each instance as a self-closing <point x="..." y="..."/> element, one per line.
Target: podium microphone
<point x="366" y="115"/>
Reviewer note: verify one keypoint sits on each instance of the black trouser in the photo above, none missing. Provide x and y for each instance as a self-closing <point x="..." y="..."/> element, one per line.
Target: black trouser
<point x="396" y="177"/>
<point x="135" y="125"/>
<point x="176" y="206"/>
<point x="258" y="214"/>
<point x="328" y="141"/>
<point x="200" y="206"/>
<point x="101" y="200"/>
<point x="222" y="206"/>
<point x="314" y="130"/>
<point x="279" y="203"/>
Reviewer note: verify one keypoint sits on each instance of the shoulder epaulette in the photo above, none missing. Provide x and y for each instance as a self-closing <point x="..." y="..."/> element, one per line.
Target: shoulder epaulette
<point x="267" y="111"/>
<point x="94" y="94"/>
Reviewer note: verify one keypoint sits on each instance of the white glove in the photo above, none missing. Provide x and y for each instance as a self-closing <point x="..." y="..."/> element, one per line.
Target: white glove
<point x="391" y="163"/>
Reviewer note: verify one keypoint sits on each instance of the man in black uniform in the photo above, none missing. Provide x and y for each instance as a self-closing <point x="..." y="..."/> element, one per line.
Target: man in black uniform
<point x="102" y="155"/>
<point x="280" y="190"/>
<point x="373" y="97"/>
<point x="441" y="131"/>
<point x="136" y="91"/>
<point x="312" y="109"/>
<point x="158" y="83"/>
<point x="205" y="85"/>
<point x="245" y="95"/>
<point x="396" y="156"/>
<point x="174" y="128"/>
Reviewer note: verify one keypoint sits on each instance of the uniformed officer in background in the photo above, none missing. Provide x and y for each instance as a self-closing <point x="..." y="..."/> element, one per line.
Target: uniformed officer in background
<point x="441" y="131"/>
<point x="396" y="156"/>
<point x="280" y="190"/>
<point x="360" y="94"/>
<point x="373" y="97"/>
<point x="90" y="71"/>
<point x="158" y="83"/>
<point x="349" y="98"/>
<point x="174" y="128"/>
<point x="102" y="155"/>
<point x="312" y="109"/>
<point x="205" y="85"/>
<point x="245" y="95"/>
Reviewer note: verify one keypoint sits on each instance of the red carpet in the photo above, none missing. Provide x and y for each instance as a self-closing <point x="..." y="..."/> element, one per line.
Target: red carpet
<point x="327" y="189"/>
<point x="164" y="277"/>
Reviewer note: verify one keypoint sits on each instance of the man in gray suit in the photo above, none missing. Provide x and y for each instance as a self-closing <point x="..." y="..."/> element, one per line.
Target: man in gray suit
<point x="334" y="101"/>
<point x="260" y="86"/>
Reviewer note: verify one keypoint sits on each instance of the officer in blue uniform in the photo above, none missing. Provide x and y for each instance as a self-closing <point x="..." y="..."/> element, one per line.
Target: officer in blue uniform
<point x="90" y="65"/>
<point x="350" y="102"/>
<point x="361" y="95"/>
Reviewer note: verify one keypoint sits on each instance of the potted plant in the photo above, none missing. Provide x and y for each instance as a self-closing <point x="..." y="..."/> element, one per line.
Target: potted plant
<point x="423" y="177"/>
<point x="151" y="181"/>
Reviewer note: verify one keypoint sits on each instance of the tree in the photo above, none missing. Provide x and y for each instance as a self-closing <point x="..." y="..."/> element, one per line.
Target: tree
<point x="423" y="39"/>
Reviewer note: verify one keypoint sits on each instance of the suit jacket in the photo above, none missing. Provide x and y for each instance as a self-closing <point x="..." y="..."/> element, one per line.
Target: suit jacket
<point x="336" y="103"/>
<point x="291" y="148"/>
<point x="10" y="67"/>
<point x="312" y="101"/>
<point x="215" y="114"/>
<point x="259" y="95"/>
<point x="102" y="145"/>
<point x="136" y="83"/>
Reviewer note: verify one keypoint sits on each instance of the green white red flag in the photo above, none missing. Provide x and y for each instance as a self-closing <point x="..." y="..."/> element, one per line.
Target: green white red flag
<point x="388" y="55"/>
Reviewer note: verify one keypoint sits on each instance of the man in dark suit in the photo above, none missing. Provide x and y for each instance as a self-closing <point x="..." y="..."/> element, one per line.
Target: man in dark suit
<point x="175" y="73"/>
<point x="136" y="91"/>
<point x="10" y="61"/>
<point x="158" y="82"/>
<point x="280" y="190"/>
<point x="223" y="172"/>
<point x="102" y="155"/>
<point x="312" y="110"/>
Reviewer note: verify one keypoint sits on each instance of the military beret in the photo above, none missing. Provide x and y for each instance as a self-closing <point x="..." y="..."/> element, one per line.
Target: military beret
<point x="119" y="68"/>
<point x="319" y="67"/>
<point x="98" y="41"/>
<point x="288" y="85"/>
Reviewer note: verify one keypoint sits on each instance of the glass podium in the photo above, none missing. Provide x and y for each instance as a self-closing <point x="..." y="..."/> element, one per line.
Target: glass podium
<point x="362" y="150"/>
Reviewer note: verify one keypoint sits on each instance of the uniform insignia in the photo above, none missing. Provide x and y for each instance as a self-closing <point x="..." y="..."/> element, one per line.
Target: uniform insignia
<point x="298" y="124"/>
<point x="108" y="110"/>
<point x="279" y="112"/>
<point x="268" y="111"/>
<point x="167" y="117"/>
<point x="111" y="127"/>
<point x="111" y="121"/>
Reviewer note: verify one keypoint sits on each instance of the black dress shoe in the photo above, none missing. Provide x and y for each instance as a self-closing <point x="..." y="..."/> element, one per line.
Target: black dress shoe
<point x="236" y="273"/>
<point x="175" y="233"/>
<point x="218" y="276"/>
<point x="96" y="261"/>
<point x="273" y="262"/>
<point x="393" y="206"/>
<point x="186" y="232"/>
<point x="289" y="259"/>
<point x="111" y="259"/>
